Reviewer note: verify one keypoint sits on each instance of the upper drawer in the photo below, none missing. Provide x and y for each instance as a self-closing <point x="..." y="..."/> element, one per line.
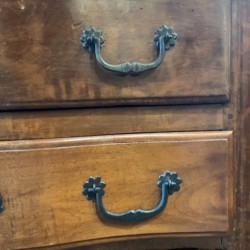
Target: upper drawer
<point x="43" y="64"/>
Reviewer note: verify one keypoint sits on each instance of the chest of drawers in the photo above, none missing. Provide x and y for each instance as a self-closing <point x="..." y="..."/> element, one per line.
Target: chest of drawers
<point x="65" y="117"/>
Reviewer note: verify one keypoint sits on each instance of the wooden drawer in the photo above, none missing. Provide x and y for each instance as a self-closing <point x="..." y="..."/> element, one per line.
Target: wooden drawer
<point x="43" y="64"/>
<point x="41" y="186"/>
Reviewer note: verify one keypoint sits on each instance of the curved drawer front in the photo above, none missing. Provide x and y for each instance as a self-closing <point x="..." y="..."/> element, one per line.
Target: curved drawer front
<point x="43" y="64"/>
<point x="41" y="186"/>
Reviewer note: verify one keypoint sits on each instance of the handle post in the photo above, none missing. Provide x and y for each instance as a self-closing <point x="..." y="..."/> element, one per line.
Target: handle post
<point x="1" y="204"/>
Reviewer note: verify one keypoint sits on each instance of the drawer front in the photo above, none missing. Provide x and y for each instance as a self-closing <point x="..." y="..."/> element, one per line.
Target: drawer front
<point x="43" y="63"/>
<point x="41" y="185"/>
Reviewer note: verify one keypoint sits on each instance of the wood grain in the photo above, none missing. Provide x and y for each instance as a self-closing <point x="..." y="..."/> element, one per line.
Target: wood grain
<point x="86" y="122"/>
<point x="146" y="243"/>
<point x="243" y="236"/>
<point x="42" y="183"/>
<point x="43" y="65"/>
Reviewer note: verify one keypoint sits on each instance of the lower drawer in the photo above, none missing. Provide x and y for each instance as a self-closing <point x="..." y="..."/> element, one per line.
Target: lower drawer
<point x="42" y="181"/>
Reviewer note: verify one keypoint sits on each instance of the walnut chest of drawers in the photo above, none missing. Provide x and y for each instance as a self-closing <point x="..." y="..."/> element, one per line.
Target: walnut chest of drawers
<point x="134" y="94"/>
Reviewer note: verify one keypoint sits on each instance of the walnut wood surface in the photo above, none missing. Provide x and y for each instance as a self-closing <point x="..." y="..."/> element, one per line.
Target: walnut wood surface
<point x="145" y="243"/>
<point x="42" y="183"/>
<point x="72" y="123"/>
<point x="243" y="215"/>
<point x="42" y="63"/>
<point x="43" y="66"/>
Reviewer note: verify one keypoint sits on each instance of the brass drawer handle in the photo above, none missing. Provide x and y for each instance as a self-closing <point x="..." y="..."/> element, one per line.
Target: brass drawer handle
<point x="169" y="182"/>
<point x="164" y="38"/>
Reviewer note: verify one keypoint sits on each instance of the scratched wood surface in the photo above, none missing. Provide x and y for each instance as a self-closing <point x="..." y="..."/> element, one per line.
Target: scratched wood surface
<point x="43" y="179"/>
<point x="42" y="63"/>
